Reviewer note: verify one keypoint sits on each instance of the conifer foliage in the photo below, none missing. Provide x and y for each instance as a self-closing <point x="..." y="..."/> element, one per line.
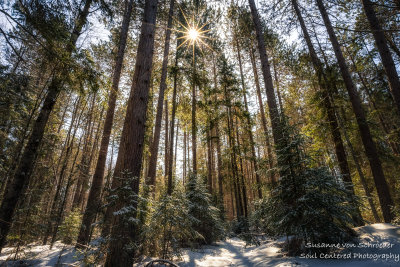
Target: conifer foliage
<point x="308" y="204"/>
<point x="142" y="128"/>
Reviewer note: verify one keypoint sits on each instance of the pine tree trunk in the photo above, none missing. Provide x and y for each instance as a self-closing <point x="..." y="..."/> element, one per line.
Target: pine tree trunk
<point x="170" y="168"/>
<point x="184" y="157"/>
<point x="60" y="181"/>
<point x="358" y="167"/>
<point x="166" y="138"/>
<point x="242" y="183"/>
<point x="84" y="168"/>
<point x="61" y="209"/>
<point x="376" y="167"/>
<point x="219" y="161"/>
<point x="278" y="92"/>
<point x="94" y="201"/>
<point x="151" y="176"/>
<point x="218" y="142"/>
<point x="271" y="99"/>
<point x="248" y="126"/>
<point x="130" y="152"/>
<point x="209" y="160"/>
<point x="385" y="127"/>
<point x="262" y="114"/>
<point x="384" y="52"/>
<point x="176" y="146"/>
<point x="194" y="126"/>
<point x="330" y="110"/>
<point x="234" y="169"/>
<point x="15" y="190"/>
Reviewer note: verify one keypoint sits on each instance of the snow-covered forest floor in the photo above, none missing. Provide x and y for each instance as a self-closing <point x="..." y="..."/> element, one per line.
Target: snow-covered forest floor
<point x="233" y="252"/>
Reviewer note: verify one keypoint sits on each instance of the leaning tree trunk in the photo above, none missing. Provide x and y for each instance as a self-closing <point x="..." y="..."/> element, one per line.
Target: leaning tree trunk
<point x="129" y="161"/>
<point x="94" y="200"/>
<point x="151" y="175"/>
<point x="262" y="114"/>
<point x="330" y="110"/>
<point x="384" y="52"/>
<point x="15" y="189"/>
<point x="271" y="99"/>
<point x="382" y="188"/>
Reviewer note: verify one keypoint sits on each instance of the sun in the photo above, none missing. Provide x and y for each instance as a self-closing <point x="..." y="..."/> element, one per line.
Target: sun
<point x="193" y="34"/>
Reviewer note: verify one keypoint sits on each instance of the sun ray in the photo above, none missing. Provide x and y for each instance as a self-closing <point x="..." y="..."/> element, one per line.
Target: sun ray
<point x="183" y="13"/>
<point x="194" y="32"/>
<point x="187" y="40"/>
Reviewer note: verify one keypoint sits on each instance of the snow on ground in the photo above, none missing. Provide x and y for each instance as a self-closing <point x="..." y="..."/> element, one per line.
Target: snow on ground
<point x="233" y="252"/>
<point x="35" y="255"/>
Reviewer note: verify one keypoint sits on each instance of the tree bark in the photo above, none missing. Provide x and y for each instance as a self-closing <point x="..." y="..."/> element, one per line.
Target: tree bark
<point x="194" y="126"/>
<point x="242" y="182"/>
<point x="209" y="160"/>
<point x="130" y="152"/>
<point x="248" y="126"/>
<point x="170" y="186"/>
<point x="271" y="99"/>
<point x="15" y="190"/>
<point x="151" y="176"/>
<point x="384" y="52"/>
<point x="385" y="198"/>
<point x="219" y="161"/>
<point x="262" y="114"/>
<point x="166" y="137"/>
<point x="94" y="201"/>
<point x="330" y="110"/>
<point x="218" y="142"/>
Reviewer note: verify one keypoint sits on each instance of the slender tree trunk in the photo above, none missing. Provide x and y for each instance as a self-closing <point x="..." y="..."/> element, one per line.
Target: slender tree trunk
<point x="367" y="89"/>
<point x="176" y="146"/>
<point x="61" y="209"/>
<point x="234" y="169"/>
<point x="248" y="126"/>
<point x="194" y="126"/>
<point x="170" y="186"/>
<point x="184" y="157"/>
<point x="60" y="182"/>
<point x="271" y="100"/>
<point x="94" y="200"/>
<point x="242" y="183"/>
<point x="166" y="138"/>
<point x="151" y="176"/>
<point x="23" y="173"/>
<point x="84" y="168"/>
<point x="359" y="170"/>
<point x="262" y="114"/>
<point x="218" y="142"/>
<point x="385" y="199"/>
<point x="278" y="91"/>
<point x="384" y="52"/>
<point x="131" y="145"/>
<point x="219" y="161"/>
<point x="209" y="161"/>
<point x="330" y="110"/>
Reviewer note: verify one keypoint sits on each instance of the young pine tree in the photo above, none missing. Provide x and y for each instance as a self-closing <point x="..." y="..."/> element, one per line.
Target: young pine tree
<point x="308" y="203"/>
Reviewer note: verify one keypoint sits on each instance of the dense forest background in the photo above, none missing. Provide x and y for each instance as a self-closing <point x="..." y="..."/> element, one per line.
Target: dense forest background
<point x="140" y="127"/>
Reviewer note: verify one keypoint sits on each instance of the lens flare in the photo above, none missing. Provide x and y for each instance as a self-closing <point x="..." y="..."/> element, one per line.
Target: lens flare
<point x="193" y="34"/>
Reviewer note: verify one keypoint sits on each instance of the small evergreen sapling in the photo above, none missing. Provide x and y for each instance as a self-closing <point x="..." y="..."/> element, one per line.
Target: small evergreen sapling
<point x="169" y="227"/>
<point x="308" y="203"/>
<point x="208" y="219"/>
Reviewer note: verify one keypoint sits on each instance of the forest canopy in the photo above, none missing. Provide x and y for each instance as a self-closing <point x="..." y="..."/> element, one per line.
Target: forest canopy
<point x="140" y="127"/>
